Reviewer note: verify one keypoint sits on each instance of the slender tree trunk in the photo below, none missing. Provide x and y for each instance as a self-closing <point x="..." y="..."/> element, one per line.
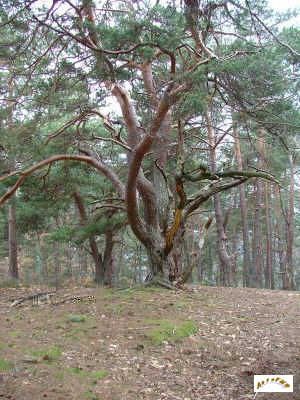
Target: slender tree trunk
<point x="209" y="273"/>
<point x="244" y="213"/>
<point x="108" y="259"/>
<point x="278" y="231"/>
<point x="13" y="269"/>
<point x="82" y="256"/>
<point x="234" y="241"/>
<point x="96" y="255"/>
<point x="269" y="275"/>
<point x="224" y="257"/>
<point x="188" y="271"/>
<point x="289" y="282"/>
<point x="257" y="241"/>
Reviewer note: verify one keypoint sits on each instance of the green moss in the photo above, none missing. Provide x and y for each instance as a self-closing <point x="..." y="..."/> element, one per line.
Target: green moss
<point x="5" y="365"/>
<point x="49" y="355"/>
<point x="99" y="374"/>
<point x="77" y="318"/>
<point x="168" y="331"/>
<point x="15" y="334"/>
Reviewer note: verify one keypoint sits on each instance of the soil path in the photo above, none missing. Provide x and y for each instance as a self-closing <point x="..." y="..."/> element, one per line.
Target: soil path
<point x="128" y="345"/>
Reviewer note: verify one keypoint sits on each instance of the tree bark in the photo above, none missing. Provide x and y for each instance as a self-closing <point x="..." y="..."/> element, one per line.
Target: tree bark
<point x="96" y="255"/>
<point x="108" y="258"/>
<point x="257" y="241"/>
<point x="289" y="281"/>
<point x="224" y="258"/>
<point x="244" y="212"/>
<point x="13" y="269"/>
<point x="269" y="275"/>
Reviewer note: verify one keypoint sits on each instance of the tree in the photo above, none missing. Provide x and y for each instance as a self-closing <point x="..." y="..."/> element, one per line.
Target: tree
<point x="164" y="66"/>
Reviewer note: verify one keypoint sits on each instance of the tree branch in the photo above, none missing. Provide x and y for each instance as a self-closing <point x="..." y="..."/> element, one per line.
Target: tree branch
<point x="100" y="166"/>
<point x="203" y="175"/>
<point x="209" y="191"/>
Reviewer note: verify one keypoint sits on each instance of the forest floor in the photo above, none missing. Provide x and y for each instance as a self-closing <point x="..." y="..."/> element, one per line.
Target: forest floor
<point x="203" y="343"/>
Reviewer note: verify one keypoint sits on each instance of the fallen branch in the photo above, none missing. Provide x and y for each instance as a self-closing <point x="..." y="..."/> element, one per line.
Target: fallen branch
<point x="31" y="297"/>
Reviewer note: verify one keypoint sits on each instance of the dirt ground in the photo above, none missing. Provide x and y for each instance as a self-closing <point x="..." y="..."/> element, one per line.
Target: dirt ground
<point x="120" y="345"/>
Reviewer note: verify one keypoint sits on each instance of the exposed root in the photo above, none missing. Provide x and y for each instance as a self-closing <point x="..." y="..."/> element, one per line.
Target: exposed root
<point x="159" y="281"/>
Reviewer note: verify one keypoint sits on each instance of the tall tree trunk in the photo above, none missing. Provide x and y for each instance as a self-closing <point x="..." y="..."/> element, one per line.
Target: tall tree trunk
<point x="244" y="212"/>
<point x="269" y="275"/>
<point x="83" y="261"/>
<point x="279" y="232"/>
<point x="96" y="255"/>
<point x="222" y="242"/>
<point x="288" y="281"/>
<point x="108" y="259"/>
<point x="234" y="241"/>
<point x="257" y="241"/>
<point x="13" y="269"/>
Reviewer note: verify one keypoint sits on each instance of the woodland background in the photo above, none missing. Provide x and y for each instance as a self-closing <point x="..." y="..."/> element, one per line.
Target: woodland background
<point x="154" y="140"/>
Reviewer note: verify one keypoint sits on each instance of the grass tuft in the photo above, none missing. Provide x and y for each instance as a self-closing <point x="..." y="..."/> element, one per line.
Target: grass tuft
<point x="170" y="332"/>
<point x="49" y="355"/>
<point x="88" y="374"/>
<point x="5" y="365"/>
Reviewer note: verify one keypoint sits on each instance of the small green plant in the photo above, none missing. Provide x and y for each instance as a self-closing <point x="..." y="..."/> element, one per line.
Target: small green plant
<point x="59" y="375"/>
<point x="90" y="395"/>
<point x="77" y="371"/>
<point x="99" y="374"/>
<point x="15" y="334"/>
<point x="88" y="374"/>
<point x="5" y="365"/>
<point x="77" y="318"/>
<point x="168" y="331"/>
<point x="181" y="305"/>
<point x="49" y="355"/>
